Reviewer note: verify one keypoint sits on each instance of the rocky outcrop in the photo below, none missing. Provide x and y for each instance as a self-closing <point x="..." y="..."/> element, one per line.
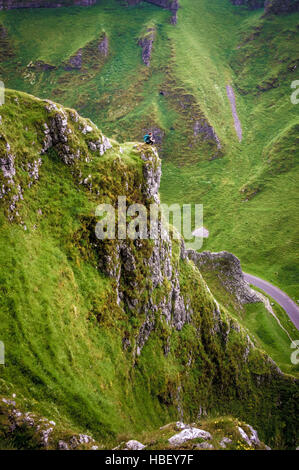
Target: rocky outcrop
<point x="228" y="269"/>
<point x="93" y="54"/>
<point x="121" y="262"/>
<point x="39" y="431"/>
<point x="58" y="134"/>
<point x="146" y="42"/>
<point x="200" y="132"/>
<point x="224" y="442"/>
<point x="188" y="434"/>
<point x="134" y="445"/>
<point x="103" y="45"/>
<point x="75" y="62"/>
<point x="202" y="127"/>
<point x="251" y="438"/>
<point x="13" y="4"/>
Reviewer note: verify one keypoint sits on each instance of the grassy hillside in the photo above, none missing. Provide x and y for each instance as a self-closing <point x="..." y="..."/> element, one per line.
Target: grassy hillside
<point x="247" y="208"/>
<point x="70" y="346"/>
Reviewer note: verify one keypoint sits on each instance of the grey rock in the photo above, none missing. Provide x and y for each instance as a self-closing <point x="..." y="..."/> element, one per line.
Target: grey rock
<point x="189" y="434"/>
<point x="75" y="62"/>
<point x="202" y="127"/>
<point x="180" y="425"/>
<point x="244" y="435"/>
<point x="58" y="131"/>
<point x="254" y="439"/>
<point x="76" y="441"/>
<point x="251" y="439"/>
<point x="152" y="175"/>
<point x="63" y="445"/>
<point x="134" y="445"/>
<point x="7" y="165"/>
<point x="147" y="44"/>
<point x="103" y="46"/>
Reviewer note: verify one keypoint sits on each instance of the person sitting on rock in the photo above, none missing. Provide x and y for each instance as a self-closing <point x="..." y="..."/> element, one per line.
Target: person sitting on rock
<point x="149" y="139"/>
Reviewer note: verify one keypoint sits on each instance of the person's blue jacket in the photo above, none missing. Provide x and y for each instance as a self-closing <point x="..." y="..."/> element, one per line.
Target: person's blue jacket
<point x="146" y="138"/>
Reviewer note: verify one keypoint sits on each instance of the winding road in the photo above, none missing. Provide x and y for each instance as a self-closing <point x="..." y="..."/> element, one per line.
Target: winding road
<point x="278" y="295"/>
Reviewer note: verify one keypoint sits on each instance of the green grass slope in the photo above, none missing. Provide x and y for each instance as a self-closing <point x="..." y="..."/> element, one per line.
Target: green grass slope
<point x="63" y="329"/>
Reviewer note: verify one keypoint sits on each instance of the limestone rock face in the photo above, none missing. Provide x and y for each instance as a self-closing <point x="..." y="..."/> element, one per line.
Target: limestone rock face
<point x="75" y="61"/>
<point x="43" y="429"/>
<point x="103" y="46"/>
<point x="228" y="269"/>
<point x="252" y="439"/>
<point x="201" y="126"/>
<point x="224" y="441"/>
<point x="147" y="44"/>
<point x="134" y="445"/>
<point x="58" y="134"/>
<point x="189" y="434"/>
<point x="122" y="263"/>
<point x="98" y="49"/>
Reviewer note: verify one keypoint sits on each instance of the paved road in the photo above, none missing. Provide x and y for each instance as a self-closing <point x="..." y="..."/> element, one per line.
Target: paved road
<point x="232" y="100"/>
<point x="281" y="298"/>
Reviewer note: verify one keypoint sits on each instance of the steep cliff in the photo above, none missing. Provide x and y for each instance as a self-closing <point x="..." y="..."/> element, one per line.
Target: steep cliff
<point x="100" y="331"/>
